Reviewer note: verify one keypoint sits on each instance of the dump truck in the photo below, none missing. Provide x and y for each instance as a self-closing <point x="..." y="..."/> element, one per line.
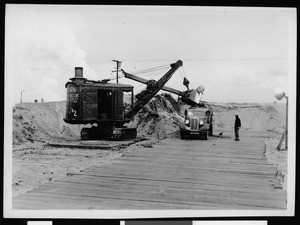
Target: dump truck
<point x="198" y="122"/>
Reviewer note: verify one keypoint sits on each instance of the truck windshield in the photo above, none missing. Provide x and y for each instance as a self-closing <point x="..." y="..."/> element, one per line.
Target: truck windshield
<point x="197" y="113"/>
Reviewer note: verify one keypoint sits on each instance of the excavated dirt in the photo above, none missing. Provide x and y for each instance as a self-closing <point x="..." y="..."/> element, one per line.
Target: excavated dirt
<point x="41" y="122"/>
<point x="36" y="124"/>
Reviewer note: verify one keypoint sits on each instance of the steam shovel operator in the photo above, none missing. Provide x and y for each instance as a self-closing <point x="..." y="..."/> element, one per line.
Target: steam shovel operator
<point x="237" y="125"/>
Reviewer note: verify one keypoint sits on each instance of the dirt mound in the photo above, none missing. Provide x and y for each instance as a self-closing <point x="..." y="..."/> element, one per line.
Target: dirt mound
<point x="159" y="118"/>
<point x="260" y="117"/>
<point x="41" y="122"/>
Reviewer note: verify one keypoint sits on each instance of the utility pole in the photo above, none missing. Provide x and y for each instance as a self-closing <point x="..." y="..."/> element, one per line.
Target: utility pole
<point x="21" y="96"/>
<point x="118" y="66"/>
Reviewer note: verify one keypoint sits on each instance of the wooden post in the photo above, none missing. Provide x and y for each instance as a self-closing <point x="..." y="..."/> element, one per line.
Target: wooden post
<point x="281" y="140"/>
<point x="286" y="132"/>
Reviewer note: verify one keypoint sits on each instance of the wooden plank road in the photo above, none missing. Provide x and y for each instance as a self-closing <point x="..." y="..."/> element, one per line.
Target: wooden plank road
<point x="175" y="174"/>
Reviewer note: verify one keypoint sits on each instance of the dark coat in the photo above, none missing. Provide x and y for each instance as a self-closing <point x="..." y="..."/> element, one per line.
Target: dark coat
<point x="237" y="122"/>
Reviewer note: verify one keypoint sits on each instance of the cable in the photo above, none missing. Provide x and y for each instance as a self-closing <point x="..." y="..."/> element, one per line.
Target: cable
<point x="96" y="61"/>
<point x="184" y="73"/>
<point x="138" y="89"/>
<point x="152" y="69"/>
<point x="180" y="71"/>
<point x="164" y="71"/>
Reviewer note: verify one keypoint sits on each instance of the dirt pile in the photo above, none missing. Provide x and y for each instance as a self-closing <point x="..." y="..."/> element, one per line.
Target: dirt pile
<point x="159" y="118"/>
<point x="39" y="122"/>
<point x="259" y="117"/>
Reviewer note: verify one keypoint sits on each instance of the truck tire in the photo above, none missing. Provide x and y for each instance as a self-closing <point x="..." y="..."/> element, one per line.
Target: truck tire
<point x="182" y="135"/>
<point x="210" y="132"/>
<point x="205" y="135"/>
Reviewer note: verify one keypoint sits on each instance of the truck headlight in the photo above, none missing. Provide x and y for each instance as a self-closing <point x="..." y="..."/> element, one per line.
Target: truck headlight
<point x="201" y="122"/>
<point x="186" y="122"/>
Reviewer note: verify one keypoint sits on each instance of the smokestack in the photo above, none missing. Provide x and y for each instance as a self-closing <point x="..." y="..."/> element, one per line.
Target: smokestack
<point x="78" y="72"/>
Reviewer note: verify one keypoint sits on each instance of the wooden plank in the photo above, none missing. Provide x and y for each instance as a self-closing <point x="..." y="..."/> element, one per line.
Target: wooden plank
<point x="212" y="159"/>
<point x="58" y="201"/>
<point x="145" y="188"/>
<point x="183" y="154"/>
<point x="198" y="147"/>
<point x="199" y="185"/>
<point x="162" y="153"/>
<point x="206" y="153"/>
<point x="179" y="172"/>
<point x="203" y="163"/>
<point x="269" y="185"/>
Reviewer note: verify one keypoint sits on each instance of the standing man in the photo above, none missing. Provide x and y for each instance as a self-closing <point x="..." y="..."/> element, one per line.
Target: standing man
<point x="237" y="125"/>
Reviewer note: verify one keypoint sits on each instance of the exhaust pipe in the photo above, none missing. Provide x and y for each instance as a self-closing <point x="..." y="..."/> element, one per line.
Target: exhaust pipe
<point x="78" y="72"/>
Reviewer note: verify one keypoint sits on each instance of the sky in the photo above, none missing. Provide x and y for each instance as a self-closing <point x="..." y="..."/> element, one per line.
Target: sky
<point x="237" y="54"/>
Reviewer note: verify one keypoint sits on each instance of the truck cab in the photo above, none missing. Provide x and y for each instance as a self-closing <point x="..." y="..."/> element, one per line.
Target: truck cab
<point x="197" y="123"/>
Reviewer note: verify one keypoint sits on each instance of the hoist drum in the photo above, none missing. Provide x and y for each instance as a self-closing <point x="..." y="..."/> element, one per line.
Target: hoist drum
<point x="152" y="86"/>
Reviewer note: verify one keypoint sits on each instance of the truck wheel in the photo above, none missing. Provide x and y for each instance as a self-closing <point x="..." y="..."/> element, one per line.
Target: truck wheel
<point x="205" y="135"/>
<point x="210" y="130"/>
<point x="182" y="135"/>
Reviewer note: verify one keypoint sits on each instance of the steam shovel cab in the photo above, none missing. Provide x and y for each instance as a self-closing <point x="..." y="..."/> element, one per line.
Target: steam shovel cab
<point x="100" y="104"/>
<point x="104" y="104"/>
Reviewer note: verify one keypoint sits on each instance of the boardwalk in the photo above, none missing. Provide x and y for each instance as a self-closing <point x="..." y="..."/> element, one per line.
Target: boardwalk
<point x="175" y="174"/>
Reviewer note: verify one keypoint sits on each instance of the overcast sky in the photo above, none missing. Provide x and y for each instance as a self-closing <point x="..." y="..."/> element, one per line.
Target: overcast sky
<point x="237" y="54"/>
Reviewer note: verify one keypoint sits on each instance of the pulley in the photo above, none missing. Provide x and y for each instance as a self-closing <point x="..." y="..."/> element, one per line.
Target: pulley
<point x="152" y="86"/>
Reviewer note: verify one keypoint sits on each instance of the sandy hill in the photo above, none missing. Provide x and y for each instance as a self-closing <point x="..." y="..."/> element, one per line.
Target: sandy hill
<point x="161" y="116"/>
<point x="42" y="121"/>
<point x="270" y="116"/>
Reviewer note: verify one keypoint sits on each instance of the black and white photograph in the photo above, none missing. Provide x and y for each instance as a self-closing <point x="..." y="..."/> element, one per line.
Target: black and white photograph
<point x="144" y="111"/>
